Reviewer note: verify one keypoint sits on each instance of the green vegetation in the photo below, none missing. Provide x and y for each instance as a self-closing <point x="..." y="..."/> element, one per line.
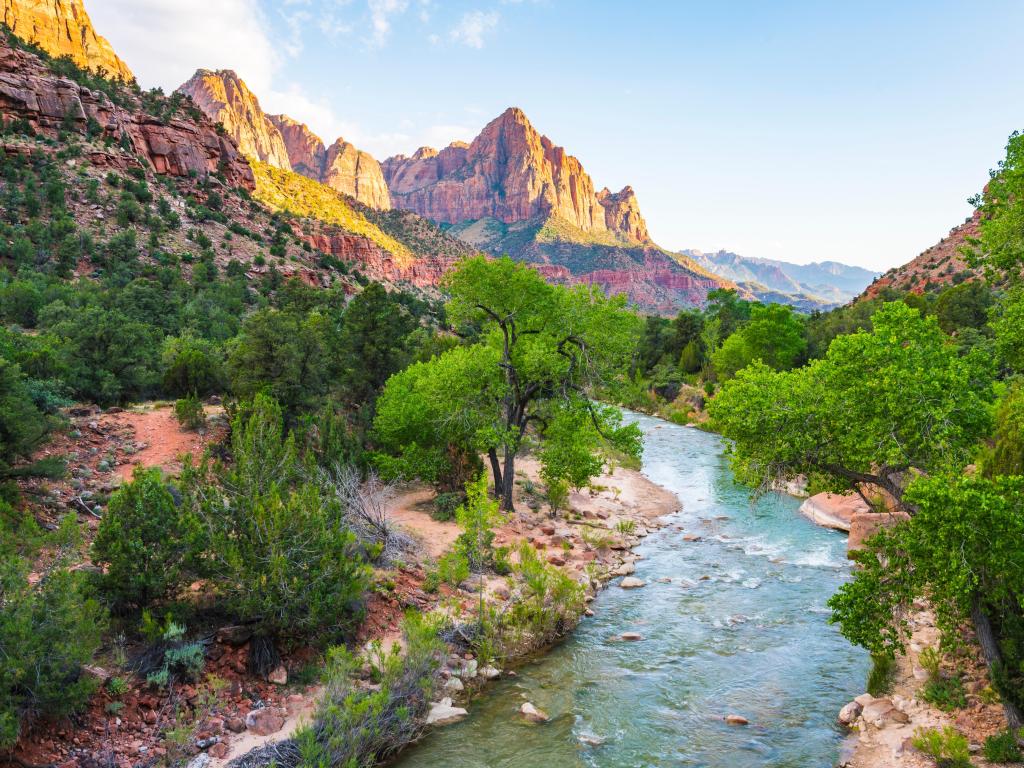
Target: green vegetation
<point x="947" y="747"/>
<point x="1003" y="748"/>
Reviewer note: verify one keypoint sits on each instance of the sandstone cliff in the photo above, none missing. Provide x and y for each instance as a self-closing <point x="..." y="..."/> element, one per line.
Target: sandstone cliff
<point x="177" y="145"/>
<point x="355" y="173"/>
<point x="226" y="99"/>
<point x="510" y="173"/>
<point x="63" y="28"/>
<point x="306" y="150"/>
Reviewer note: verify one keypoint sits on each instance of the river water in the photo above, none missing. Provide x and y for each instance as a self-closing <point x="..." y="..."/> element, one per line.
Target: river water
<point x="741" y="628"/>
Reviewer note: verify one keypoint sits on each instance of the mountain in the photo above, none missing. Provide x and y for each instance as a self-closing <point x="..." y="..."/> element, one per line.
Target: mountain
<point x="284" y="143"/>
<point x="940" y="265"/>
<point x="63" y="28"/>
<point x="513" y="191"/>
<point x="806" y="286"/>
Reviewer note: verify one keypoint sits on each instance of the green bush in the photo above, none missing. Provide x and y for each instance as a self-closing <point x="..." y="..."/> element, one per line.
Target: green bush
<point x="947" y="747"/>
<point x="47" y="632"/>
<point x="148" y="544"/>
<point x="189" y="412"/>
<point x="191" y="365"/>
<point x="358" y="727"/>
<point x="1002" y="748"/>
<point x="946" y="693"/>
<point x="883" y="668"/>
<point x="445" y="505"/>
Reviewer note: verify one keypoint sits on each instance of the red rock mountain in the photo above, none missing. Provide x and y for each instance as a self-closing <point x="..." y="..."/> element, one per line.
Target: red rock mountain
<point x="282" y="142"/>
<point x="63" y="28"/>
<point x="178" y="146"/>
<point x="510" y="173"/>
<point x="934" y="267"/>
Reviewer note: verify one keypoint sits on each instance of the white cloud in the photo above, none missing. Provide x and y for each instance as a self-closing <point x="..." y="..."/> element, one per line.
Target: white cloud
<point x="165" y="41"/>
<point x="473" y="26"/>
<point x="381" y="14"/>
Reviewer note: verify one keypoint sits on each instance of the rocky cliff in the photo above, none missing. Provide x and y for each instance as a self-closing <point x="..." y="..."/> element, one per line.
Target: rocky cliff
<point x="510" y="173"/>
<point x="226" y="99"/>
<point x="177" y="144"/>
<point x="63" y="28"/>
<point x="285" y="143"/>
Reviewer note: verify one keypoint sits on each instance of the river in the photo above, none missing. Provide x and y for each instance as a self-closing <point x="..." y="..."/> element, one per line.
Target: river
<point x="740" y="628"/>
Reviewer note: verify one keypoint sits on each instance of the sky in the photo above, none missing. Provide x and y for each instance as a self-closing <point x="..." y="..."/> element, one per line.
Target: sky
<point x="804" y="131"/>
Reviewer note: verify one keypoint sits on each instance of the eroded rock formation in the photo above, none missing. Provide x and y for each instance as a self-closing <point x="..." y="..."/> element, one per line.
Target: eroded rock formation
<point x="63" y="28"/>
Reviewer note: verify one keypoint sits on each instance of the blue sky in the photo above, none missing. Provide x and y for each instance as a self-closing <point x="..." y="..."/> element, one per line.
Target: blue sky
<point x="795" y="130"/>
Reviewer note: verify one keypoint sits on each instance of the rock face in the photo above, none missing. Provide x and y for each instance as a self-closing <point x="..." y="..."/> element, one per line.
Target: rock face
<point x="226" y="99"/>
<point x="63" y="28"/>
<point x="179" y="147"/>
<point x="355" y="173"/>
<point x="864" y="525"/>
<point x="833" y="510"/>
<point x="282" y="142"/>
<point x="509" y="173"/>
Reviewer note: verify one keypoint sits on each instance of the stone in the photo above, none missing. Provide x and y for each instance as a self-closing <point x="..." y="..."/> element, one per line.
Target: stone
<point x="454" y="685"/>
<point x="547" y="529"/>
<point x="533" y="714"/>
<point x="219" y="750"/>
<point x="631" y="582"/>
<point x="469" y="669"/>
<point x="864" y="525"/>
<point x="849" y="713"/>
<point x="631" y="636"/>
<point x="625" y="569"/>
<point x="556" y="559"/>
<point x="235" y="724"/>
<point x="443" y="713"/>
<point x="736" y="720"/>
<point x="882" y="712"/>
<point x="199" y="761"/>
<point x="278" y="675"/>
<point x="236" y="634"/>
<point x="490" y="673"/>
<point x="833" y="510"/>
<point x="590" y="740"/>
<point x="265" y="721"/>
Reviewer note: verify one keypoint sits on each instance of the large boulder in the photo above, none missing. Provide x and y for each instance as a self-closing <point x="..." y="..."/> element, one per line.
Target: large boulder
<point x="833" y="510"/>
<point x="864" y="525"/>
<point x="443" y="713"/>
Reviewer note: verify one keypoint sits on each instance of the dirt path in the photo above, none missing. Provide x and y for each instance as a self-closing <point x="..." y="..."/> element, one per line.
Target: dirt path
<point x="159" y="438"/>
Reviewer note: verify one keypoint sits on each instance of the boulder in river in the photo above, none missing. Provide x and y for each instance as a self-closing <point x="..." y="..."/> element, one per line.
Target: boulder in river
<point x="849" y="713"/>
<point x="736" y="720"/>
<point x="532" y="714"/>
<point x="443" y="713"/>
<point x="631" y="636"/>
<point x="631" y="582"/>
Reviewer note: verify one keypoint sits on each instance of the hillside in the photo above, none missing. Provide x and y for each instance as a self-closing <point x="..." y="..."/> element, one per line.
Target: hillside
<point x="941" y="265"/>
<point x="821" y="285"/>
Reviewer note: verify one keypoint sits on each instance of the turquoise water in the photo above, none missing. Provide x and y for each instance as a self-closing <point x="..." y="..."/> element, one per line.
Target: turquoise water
<point x="750" y="639"/>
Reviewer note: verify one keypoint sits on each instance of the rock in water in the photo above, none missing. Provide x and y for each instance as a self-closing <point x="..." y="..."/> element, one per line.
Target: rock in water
<point x="631" y="582"/>
<point x="849" y="713"/>
<point x="532" y="714"/>
<point x="736" y="720"/>
<point x="443" y="713"/>
<point x="631" y="636"/>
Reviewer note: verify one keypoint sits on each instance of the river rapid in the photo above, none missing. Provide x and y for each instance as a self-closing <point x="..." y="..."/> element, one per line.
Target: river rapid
<point x="741" y="627"/>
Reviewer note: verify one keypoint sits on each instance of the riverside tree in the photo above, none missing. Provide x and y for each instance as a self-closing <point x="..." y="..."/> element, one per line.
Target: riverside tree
<point x="536" y="355"/>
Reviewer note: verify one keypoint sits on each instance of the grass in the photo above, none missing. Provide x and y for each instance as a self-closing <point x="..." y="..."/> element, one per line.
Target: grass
<point x="288" y="191"/>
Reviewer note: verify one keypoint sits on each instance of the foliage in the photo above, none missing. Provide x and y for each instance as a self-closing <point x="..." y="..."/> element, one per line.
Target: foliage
<point x="22" y="425"/>
<point x="1000" y="246"/>
<point x="280" y="552"/>
<point x="477" y="518"/>
<point x="1002" y="747"/>
<point x="880" y="678"/>
<point x="946" y="552"/>
<point x="774" y="335"/>
<point x="963" y="306"/>
<point x="191" y="366"/>
<point x="947" y="747"/>
<point x="47" y="632"/>
<point x="359" y="728"/>
<point x="189" y="412"/>
<point x="946" y="693"/>
<point x="148" y="545"/>
<point x="445" y="505"/>
<point x="539" y="350"/>
<point x="878" y="404"/>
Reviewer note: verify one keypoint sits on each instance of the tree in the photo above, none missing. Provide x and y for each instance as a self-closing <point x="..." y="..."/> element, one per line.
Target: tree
<point x="22" y="425"/>
<point x="191" y="365"/>
<point x="147" y="543"/>
<point x="774" y="335"/>
<point x="963" y="306"/>
<point x="962" y="550"/>
<point x="371" y="344"/>
<point x="540" y="349"/>
<point x="1000" y="246"/>
<point x="879" y="406"/>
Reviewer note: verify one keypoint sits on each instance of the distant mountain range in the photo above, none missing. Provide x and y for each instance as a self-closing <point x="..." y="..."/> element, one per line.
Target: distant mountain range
<point x="807" y="287"/>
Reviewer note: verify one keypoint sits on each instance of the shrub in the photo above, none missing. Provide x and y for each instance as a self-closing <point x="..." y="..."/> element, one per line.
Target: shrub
<point x="946" y="693"/>
<point x="47" y="632"/>
<point x="191" y="365"/>
<point x="883" y="668"/>
<point x="445" y="505"/>
<point x="1002" y="748"/>
<point x="189" y="412"/>
<point x="947" y="747"/>
<point x="171" y="657"/>
<point x="557" y="493"/>
<point x="354" y="726"/>
<point x="148" y="544"/>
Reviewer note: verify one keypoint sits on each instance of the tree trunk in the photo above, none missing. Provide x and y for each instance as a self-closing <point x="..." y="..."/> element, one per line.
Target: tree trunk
<point x="994" y="657"/>
<point x="492" y="454"/>
<point x="509" y="480"/>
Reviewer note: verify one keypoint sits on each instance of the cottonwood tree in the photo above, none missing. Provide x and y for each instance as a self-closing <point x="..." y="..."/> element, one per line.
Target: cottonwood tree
<point x="538" y="352"/>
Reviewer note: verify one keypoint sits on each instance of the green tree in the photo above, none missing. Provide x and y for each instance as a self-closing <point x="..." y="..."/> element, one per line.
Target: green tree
<point x="541" y="349"/>
<point x="148" y="545"/>
<point x="191" y="365"/>
<point x="1000" y="246"/>
<point x="774" y="335"/>
<point x="878" y="406"/>
<point x="963" y="306"/>
<point x="22" y="425"/>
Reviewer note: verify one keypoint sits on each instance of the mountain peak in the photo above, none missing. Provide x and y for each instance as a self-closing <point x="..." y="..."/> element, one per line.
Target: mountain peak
<point x="63" y="28"/>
